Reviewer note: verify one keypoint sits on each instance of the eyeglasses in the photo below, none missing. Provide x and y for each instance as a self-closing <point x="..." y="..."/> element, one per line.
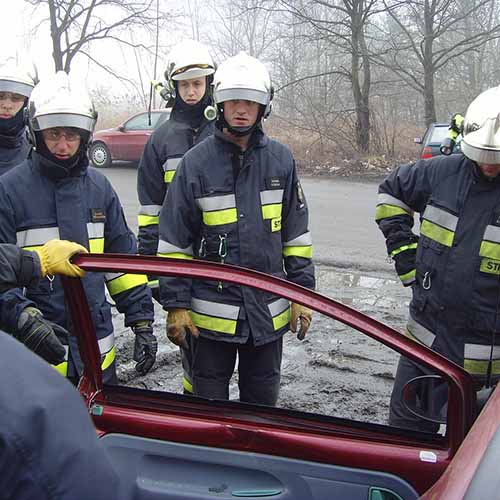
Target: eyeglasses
<point x="12" y="96"/>
<point x="55" y="134"/>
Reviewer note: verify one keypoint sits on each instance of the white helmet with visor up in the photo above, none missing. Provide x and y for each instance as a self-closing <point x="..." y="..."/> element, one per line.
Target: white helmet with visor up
<point x="189" y="59"/>
<point x="58" y="101"/>
<point x="16" y="79"/>
<point x="242" y="77"/>
<point x="481" y="129"/>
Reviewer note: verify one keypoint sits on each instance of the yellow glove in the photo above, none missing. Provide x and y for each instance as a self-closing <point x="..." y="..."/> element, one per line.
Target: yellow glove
<point x="304" y="314"/>
<point x="55" y="255"/>
<point x="178" y="321"/>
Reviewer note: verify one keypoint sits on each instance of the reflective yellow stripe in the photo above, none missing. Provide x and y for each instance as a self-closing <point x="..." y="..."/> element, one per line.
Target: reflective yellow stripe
<point x="385" y="211"/>
<point x="489" y="249"/>
<point x="154" y="283"/>
<point x="126" y="282"/>
<point x="219" y="217"/>
<point x="32" y="248"/>
<point x="169" y="176"/>
<point x="215" y="324"/>
<point x="175" y="255"/>
<point x="408" y="277"/>
<point x="305" y="252"/>
<point x="490" y="266"/>
<point x="475" y="367"/>
<point x="62" y="368"/>
<point x="282" y="319"/>
<point x="403" y="248"/>
<point x="109" y="357"/>
<point x="437" y="233"/>
<point x="148" y="220"/>
<point x="272" y="211"/>
<point x="96" y="245"/>
<point x="187" y="385"/>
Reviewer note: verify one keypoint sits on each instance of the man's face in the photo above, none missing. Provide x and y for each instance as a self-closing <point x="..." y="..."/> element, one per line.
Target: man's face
<point x="62" y="142"/>
<point x="192" y="91"/>
<point x="240" y="113"/>
<point x="489" y="170"/>
<point x="10" y="104"/>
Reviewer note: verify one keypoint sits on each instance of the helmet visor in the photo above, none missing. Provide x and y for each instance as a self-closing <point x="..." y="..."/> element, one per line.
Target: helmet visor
<point x="63" y="120"/>
<point x="16" y="87"/>
<point x="237" y="94"/>
<point x="194" y="71"/>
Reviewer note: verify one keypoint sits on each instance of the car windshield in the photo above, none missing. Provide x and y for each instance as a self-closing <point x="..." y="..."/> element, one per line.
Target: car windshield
<point x="438" y="134"/>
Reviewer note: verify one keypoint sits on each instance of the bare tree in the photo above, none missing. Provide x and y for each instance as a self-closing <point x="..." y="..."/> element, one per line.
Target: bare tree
<point x="426" y="35"/>
<point x="344" y="25"/>
<point x="75" y="24"/>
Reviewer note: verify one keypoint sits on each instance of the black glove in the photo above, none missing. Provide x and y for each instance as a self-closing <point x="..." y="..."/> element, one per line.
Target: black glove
<point x="405" y="266"/>
<point x="41" y="336"/>
<point x="145" y="347"/>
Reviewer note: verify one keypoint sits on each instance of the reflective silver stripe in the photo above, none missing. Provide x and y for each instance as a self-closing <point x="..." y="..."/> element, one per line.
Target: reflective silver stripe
<point x="481" y="352"/>
<point x="217" y="309"/>
<point x="212" y="203"/>
<point x="149" y="210"/>
<point x="438" y="216"/>
<point x="278" y="306"/>
<point x="112" y="276"/>
<point x="387" y="199"/>
<point x="271" y="196"/>
<point x="492" y="233"/>
<point x="38" y="236"/>
<point x="420" y="332"/>
<point x="106" y="344"/>
<point x="95" y="229"/>
<point x="171" y="164"/>
<point x="301" y="241"/>
<point x="165" y="247"/>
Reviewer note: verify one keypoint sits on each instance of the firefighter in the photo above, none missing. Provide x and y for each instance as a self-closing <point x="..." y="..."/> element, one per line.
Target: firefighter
<point x="189" y="75"/>
<point x="455" y="129"/>
<point x="42" y="456"/>
<point x="15" y="89"/>
<point x="56" y="195"/>
<point x="236" y="198"/>
<point x="454" y="266"/>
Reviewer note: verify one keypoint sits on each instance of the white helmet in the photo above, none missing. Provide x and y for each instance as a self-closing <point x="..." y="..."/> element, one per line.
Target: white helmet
<point x="189" y="59"/>
<point x="58" y="102"/>
<point x="242" y="77"/>
<point x="14" y="78"/>
<point x="481" y="129"/>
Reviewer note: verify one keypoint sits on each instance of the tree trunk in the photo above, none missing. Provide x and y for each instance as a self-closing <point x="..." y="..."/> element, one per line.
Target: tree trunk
<point x="55" y="34"/>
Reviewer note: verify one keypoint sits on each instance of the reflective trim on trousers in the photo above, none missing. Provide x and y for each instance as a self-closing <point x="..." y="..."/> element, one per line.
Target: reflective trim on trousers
<point x="419" y="332"/>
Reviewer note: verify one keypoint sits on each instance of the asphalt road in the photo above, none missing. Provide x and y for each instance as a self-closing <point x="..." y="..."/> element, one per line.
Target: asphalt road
<point x="341" y="219"/>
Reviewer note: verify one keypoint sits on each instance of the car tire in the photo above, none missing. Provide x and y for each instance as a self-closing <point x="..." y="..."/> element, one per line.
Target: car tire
<point x="100" y="156"/>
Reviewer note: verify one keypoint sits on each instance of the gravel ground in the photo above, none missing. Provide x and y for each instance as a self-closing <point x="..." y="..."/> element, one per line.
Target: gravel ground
<point x="335" y="371"/>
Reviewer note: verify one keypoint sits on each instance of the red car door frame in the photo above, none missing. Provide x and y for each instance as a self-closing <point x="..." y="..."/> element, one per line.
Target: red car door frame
<point x="268" y="430"/>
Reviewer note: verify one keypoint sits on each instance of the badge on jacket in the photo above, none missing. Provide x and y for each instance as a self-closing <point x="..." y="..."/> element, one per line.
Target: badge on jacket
<point x="97" y="215"/>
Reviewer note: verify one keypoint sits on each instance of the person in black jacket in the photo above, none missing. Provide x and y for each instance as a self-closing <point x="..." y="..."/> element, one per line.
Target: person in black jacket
<point x="42" y="457"/>
<point x="189" y="75"/>
<point x="54" y="194"/>
<point x="236" y="198"/>
<point x="453" y="267"/>
<point x="15" y="89"/>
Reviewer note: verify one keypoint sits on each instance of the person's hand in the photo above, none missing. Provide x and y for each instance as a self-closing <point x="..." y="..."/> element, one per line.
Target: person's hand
<point x="55" y="258"/>
<point x="145" y="347"/>
<point x="178" y="321"/>
<point x="41" y="336"/>
<point x="303" y="315"/>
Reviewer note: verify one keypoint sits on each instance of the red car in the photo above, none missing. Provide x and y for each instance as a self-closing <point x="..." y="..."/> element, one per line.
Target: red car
<point x="126" y="141"/>
<point x="171" y="446"/>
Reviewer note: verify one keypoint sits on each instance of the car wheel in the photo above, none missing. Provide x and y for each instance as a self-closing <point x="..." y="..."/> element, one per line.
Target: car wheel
<point x="100" y="155"/>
